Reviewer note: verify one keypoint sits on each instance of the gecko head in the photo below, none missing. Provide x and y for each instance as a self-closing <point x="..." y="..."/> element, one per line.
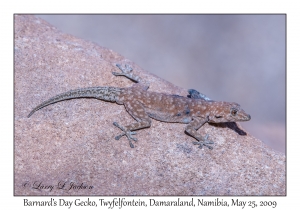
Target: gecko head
<point x="227" y="112"/>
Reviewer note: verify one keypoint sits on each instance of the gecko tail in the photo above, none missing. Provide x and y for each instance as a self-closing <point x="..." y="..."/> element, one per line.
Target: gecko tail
<point x="103" y="93"/>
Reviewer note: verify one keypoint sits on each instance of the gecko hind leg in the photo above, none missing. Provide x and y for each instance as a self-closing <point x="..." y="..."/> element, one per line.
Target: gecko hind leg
<point x="126" y="133"/>
<point x="205" y="142"/>
<point x="126" y="72"/>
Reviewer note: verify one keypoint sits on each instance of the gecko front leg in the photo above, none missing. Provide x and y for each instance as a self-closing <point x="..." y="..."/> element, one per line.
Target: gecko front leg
<point x="192" y="128"/>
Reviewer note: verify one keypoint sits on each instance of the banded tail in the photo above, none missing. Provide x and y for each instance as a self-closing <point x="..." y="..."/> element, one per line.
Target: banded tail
<point x="103" y="93"/>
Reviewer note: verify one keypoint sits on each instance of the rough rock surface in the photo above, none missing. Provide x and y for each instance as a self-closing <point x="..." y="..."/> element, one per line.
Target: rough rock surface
<point x="73" y="141"/>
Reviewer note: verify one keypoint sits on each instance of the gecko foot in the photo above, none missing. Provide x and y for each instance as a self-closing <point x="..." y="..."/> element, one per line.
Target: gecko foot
<point x="127" y="69"/>
<point x="205" y="142"/>
<point x="126" y="133"/>
<point x="126" y="72"/>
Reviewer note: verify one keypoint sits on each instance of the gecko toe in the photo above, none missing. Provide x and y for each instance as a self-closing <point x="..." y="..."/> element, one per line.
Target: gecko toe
<point x="202" y="143"/>
<point x="131" y="144"/>
<point x="119" y="74"/>
<point x="198" y="143"/>
<point x="119" y="66"/>
<point x="134" y="139"/>
<point x="118" y="126"/>
<point x="119" y="136"/>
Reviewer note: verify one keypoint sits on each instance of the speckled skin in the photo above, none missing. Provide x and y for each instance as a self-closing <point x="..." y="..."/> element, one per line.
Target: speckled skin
<point x="143" y="105"/>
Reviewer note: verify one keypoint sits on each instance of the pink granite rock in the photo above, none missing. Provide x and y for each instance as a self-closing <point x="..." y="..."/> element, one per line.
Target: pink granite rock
<point x="72" y="143"/>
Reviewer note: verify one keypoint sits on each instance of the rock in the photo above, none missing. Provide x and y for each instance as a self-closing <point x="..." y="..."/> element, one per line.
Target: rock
<point x="71" y="144"/>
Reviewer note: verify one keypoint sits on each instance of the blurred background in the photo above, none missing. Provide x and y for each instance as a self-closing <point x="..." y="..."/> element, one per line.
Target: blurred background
<point x="234" y="58"/>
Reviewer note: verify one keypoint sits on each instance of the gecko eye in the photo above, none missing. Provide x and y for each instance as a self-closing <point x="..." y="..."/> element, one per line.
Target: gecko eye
<point x="233" y="111"/>
<point x="218" y="116"/>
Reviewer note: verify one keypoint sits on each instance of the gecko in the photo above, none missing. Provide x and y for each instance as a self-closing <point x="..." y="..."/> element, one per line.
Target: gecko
<point x="143" y="105"/>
